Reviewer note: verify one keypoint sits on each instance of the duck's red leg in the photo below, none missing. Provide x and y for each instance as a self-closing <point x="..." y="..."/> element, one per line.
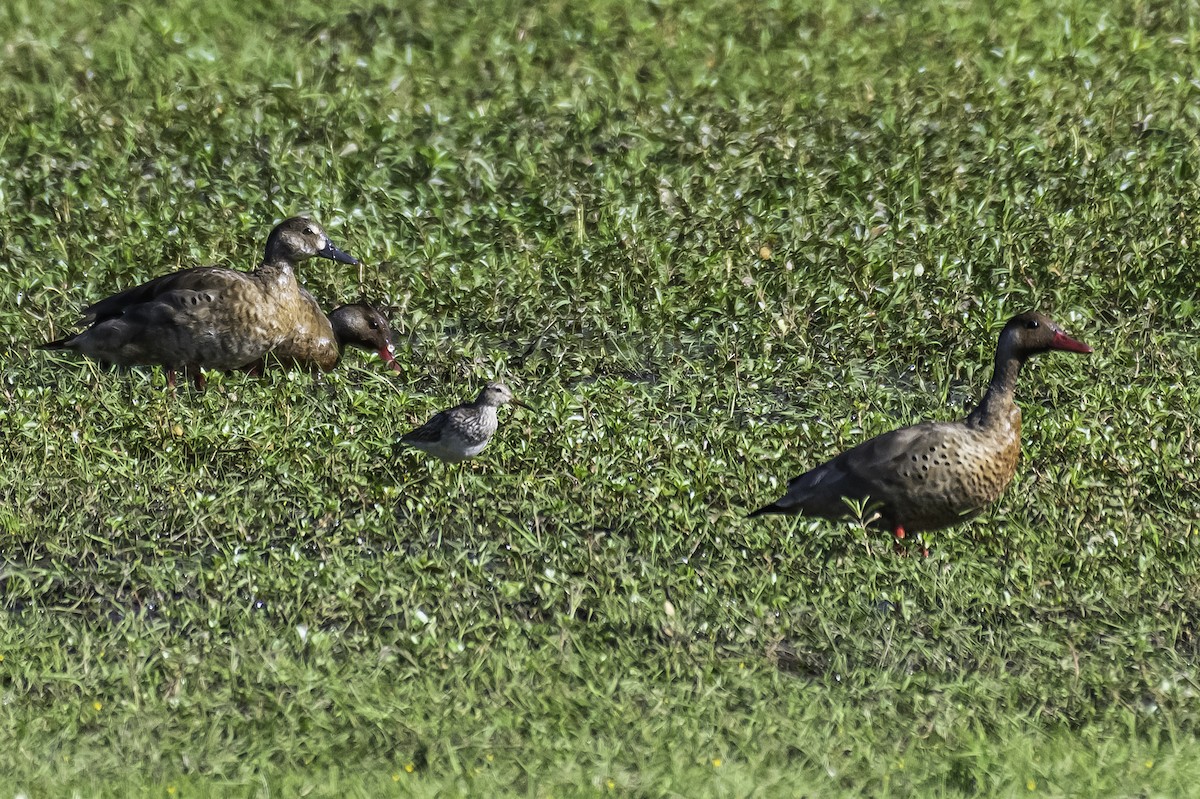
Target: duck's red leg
<point x="899" y="531"/>
<point x="198" y="380"/>
<point x="170" y="378"/>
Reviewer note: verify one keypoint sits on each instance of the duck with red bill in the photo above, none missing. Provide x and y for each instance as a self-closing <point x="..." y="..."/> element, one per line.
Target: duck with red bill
<point x="935" y="474"/>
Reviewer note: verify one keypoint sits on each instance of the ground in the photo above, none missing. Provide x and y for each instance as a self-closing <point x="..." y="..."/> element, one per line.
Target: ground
<point x="712" y="244"/>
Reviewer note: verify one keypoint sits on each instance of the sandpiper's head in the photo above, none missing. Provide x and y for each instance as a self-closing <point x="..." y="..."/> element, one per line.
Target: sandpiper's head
<point x="1030" y="333"/>
<point x="298" y="239"/>
<point x="497" y="394"/>
<point x="361" y="325"/>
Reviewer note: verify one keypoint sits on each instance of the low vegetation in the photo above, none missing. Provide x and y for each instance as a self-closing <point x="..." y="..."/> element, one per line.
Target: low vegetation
<point x="712" y="245"/>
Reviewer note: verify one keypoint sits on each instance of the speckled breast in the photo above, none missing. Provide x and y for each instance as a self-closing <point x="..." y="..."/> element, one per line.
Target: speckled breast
<point x="955" y="479"/>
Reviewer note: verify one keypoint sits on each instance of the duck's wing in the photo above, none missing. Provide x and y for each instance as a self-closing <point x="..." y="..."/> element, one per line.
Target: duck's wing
<point x="876" y="470"/>
<point x="887" y="462"/>
<point x="188" y="282"/>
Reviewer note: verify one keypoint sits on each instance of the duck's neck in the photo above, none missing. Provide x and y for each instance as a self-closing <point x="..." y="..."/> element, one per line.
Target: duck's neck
<point x="276" y="267"/>
<point x="342" y="344"/>
<point x="278" y="277"/>
<point x="997" y="404"/>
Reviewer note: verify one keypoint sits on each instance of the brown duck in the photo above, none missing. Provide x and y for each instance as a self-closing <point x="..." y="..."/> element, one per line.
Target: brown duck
<point x="935" y="474"/>
<point x="319" y="341"/>
<point x="207" y="317"/>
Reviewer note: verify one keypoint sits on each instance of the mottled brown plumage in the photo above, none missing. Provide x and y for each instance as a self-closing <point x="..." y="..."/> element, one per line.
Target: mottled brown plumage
<point x="207" y="317"/>
<point x="934" y="474"/>
<point x="318" y="341"/>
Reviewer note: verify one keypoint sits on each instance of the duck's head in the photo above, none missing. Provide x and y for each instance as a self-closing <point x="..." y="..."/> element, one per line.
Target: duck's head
<point x="361" y="325"/>
<point x="1031" y="333"/>
<point x="497" y="394"/>
<point x="298" y="239"/>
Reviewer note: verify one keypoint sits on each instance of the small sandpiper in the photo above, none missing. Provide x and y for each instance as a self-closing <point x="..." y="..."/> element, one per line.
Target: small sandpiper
<point x="463" y="431"/>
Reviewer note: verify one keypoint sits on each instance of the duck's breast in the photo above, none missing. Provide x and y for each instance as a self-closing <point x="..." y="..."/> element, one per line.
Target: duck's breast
<point x="953" y="472"/>
<point x="311" y="341"/>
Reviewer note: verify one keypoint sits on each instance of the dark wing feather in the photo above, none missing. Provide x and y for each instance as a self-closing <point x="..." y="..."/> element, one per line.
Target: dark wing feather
<point x="871" y="470"/>
<point x="428" y="433"/>
<point x="200" y="279"/>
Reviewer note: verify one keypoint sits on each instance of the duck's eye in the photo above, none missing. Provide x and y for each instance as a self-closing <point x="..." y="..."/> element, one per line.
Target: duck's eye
<point x="308" y="231"/>
<point x="1032" y="324"/>
<point x="374" y="325"/>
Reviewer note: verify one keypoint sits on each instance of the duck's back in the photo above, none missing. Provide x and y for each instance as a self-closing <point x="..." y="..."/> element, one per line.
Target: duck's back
<point x="198" y="279"/>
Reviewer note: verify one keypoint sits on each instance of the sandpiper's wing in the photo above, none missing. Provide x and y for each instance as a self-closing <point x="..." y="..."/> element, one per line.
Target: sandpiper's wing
<point x="428" y="433"/>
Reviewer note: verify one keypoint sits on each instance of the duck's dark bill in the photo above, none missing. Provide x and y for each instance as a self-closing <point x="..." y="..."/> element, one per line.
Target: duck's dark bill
<point x="334" y="254"/>
<point x="1064" y="342"/>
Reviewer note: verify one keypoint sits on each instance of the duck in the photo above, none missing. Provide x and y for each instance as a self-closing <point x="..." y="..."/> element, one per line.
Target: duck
<point x="463" y="431"/>
<point x="932" y="475"/>
<point x="207" y="317"/>
<point x="318" y="341"/>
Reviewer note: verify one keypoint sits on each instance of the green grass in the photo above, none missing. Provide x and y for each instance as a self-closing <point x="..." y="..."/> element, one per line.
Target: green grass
<point x="713" y="244"/>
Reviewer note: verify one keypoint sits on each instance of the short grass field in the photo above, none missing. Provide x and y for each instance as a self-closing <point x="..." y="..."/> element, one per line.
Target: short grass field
<point x="712" y="244"/>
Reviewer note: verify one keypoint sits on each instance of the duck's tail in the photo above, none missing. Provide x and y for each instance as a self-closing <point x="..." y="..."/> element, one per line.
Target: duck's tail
<point x="59" y="344"/>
